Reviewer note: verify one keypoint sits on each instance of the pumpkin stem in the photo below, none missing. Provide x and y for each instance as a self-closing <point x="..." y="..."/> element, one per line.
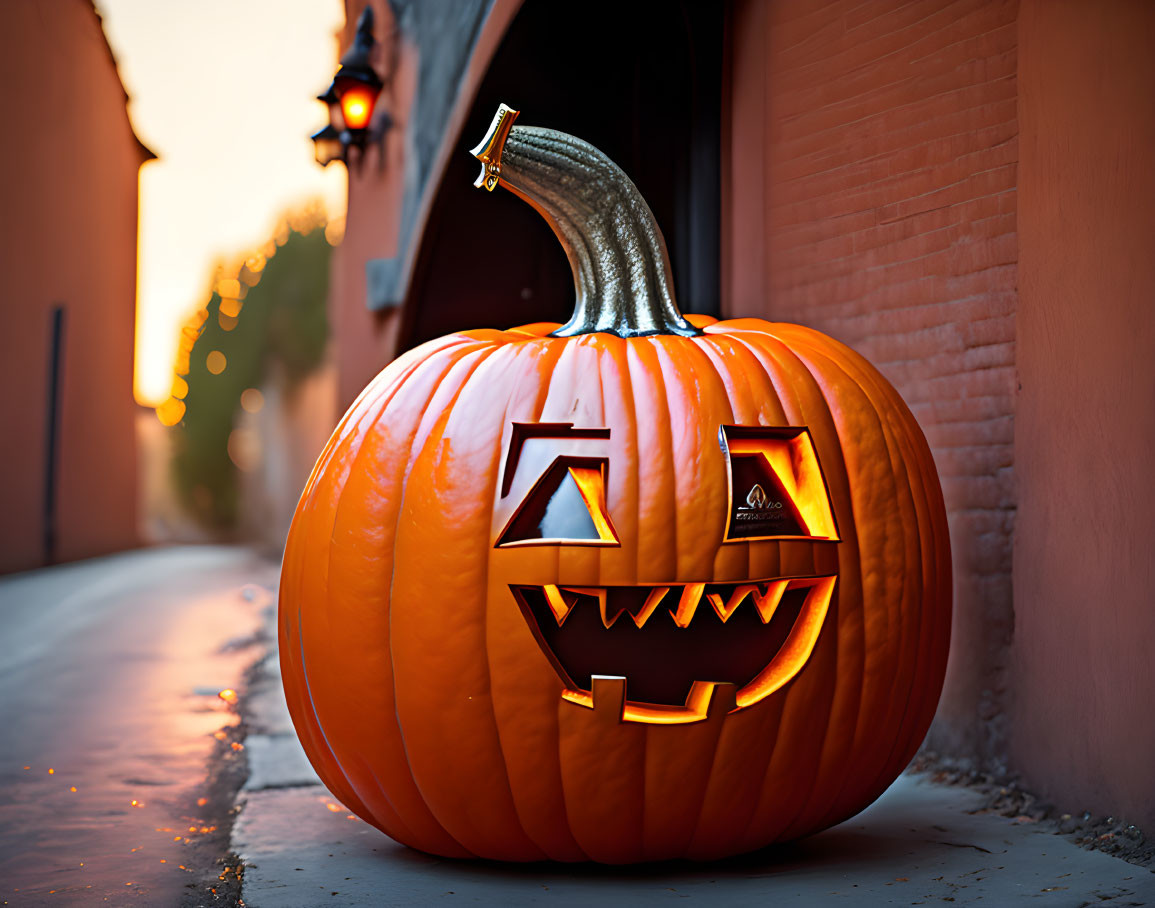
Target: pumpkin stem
<point x="621" y="269"/>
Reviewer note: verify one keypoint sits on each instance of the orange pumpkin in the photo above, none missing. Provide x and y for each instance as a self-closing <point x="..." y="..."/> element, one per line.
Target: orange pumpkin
<point x="455" y="643"/>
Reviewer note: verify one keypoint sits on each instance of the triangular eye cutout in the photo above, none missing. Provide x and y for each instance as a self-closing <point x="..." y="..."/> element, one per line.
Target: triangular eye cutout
<point x="777" y="490"/>
<point x="761" y="507"/>
<point x="566" y="505"/>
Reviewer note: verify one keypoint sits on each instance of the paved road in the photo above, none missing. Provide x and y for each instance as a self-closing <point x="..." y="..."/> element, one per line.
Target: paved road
<point x="109" y="671"/>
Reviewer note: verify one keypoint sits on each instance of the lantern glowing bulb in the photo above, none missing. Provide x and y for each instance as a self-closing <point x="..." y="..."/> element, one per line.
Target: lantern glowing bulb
<point x="357" y="106"/>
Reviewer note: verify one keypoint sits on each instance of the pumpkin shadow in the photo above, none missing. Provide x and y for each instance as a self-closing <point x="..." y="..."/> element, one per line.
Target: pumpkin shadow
<point x="842" y="849"/>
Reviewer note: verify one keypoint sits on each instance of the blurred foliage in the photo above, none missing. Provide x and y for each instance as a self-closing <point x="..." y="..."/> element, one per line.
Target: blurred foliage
<point x="281" y="326"/>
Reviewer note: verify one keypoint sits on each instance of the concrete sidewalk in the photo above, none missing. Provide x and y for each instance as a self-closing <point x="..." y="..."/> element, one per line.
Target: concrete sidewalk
<point x="920" y="844"/>
<point x="109" y="677"/>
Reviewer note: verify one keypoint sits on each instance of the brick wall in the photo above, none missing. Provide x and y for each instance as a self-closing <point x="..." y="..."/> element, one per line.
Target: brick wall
<point x="871" y="194"/>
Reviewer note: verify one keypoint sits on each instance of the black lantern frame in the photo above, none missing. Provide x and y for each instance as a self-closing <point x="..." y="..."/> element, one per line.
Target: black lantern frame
<point x="351" y="99"/>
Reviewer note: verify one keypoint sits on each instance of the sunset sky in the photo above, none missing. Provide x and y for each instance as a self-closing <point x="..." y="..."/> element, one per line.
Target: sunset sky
<point x="223" y="91"/>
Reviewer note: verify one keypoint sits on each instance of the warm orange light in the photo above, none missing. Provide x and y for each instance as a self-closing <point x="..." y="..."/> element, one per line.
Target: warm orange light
<point x="357" y="106"/>
<point x="591" y="485"/>
<point x="794" y="462"/>
<point x="215" y="362"/>
<point x="170" y="412"/>
<point x="252" y="400"/>
<point x="244" y="447"/>
<point x="228" y="695"/>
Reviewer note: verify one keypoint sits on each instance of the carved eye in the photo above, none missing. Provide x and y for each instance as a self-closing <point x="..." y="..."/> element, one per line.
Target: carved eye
<point x="777" y="490"/>
<point x="565" y="502"/>
<point x="568" y="504"/>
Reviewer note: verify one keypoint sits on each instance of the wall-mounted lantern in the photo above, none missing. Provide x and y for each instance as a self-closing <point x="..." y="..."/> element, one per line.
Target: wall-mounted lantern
<point x="351" y="99"/>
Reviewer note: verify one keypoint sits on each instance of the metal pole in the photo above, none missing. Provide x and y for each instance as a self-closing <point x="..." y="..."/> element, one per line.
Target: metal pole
<point x="52" y="437"/>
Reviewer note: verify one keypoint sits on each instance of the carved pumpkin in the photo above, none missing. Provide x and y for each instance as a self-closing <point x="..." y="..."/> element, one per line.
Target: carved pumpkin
<point x="640" y="587"/>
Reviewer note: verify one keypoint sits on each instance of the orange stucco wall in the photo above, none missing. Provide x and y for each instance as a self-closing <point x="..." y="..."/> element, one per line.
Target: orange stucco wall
<point x="69" y="183"/>
<point x="1083" y="666"/>
<point x="871" y="194"/>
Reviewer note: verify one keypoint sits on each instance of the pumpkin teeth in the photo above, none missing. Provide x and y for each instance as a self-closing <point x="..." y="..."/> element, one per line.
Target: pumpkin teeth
<point x="767" y="596"/>
<point x="609" y="696"/>
<point x="560" y="604"/>
<point x="598" y="594"/>
<point x="688" y="604"/>
<point x="653" y="600"/>
<point x="757" y="655"/>
<point x="737" y="597"/>
<point x="612" y="611"/>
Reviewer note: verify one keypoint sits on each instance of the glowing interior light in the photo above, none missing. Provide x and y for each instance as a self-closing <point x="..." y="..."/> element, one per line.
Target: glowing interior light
<point x="357" y="106"/>
<point x="787" y="455"/>
<point x="591" y="485"/>
<point x="170" y="412"/>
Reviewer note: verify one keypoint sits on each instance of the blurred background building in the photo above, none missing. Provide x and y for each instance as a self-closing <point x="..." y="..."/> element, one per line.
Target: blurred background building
<point x="68" y="180"/>
<point x="960" y="191"/>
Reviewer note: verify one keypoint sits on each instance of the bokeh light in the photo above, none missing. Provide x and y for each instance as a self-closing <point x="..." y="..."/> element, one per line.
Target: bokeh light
<point x="252" y="400"/>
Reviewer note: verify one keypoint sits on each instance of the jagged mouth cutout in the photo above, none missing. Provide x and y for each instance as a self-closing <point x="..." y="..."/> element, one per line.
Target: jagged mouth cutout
<point x="673" y="654"/>
<point x="678" y="652"/>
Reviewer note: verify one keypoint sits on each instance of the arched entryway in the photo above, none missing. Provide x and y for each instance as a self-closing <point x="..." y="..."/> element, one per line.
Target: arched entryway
<point x="641" y="81"/>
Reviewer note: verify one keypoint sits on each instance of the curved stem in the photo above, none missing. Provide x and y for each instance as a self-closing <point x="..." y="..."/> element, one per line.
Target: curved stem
<point x="621" y="269"/>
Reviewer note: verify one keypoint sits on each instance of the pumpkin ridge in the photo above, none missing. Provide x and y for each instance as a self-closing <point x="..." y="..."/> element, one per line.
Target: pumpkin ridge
<point x="853" y="746"/>
<point x="431" y="434"/>
<point x="776" y="352"/>
<point x="518" y="352"/>
<point x="603" y="806"/>
<point x="867" y="704"/>
<point x="376" y="412"/>
<point x="380" y="411"/>
<point x="490" y="363"/>
<point x="935" y="555"/>
<point x="699" y="348"/>
<point x="894" y="432"/>
<point x="710" y="348"/>
<point x="900" y="426"/>
<point x="562" y="346"/>
<point x="707" y="840"/>
<point x="343" y="785"/>
<point x="610" y="347"/>
<point x="786" y="399"/>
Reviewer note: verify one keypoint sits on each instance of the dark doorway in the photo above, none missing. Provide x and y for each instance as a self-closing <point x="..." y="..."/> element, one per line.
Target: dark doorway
<point x="640" y="80"/>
